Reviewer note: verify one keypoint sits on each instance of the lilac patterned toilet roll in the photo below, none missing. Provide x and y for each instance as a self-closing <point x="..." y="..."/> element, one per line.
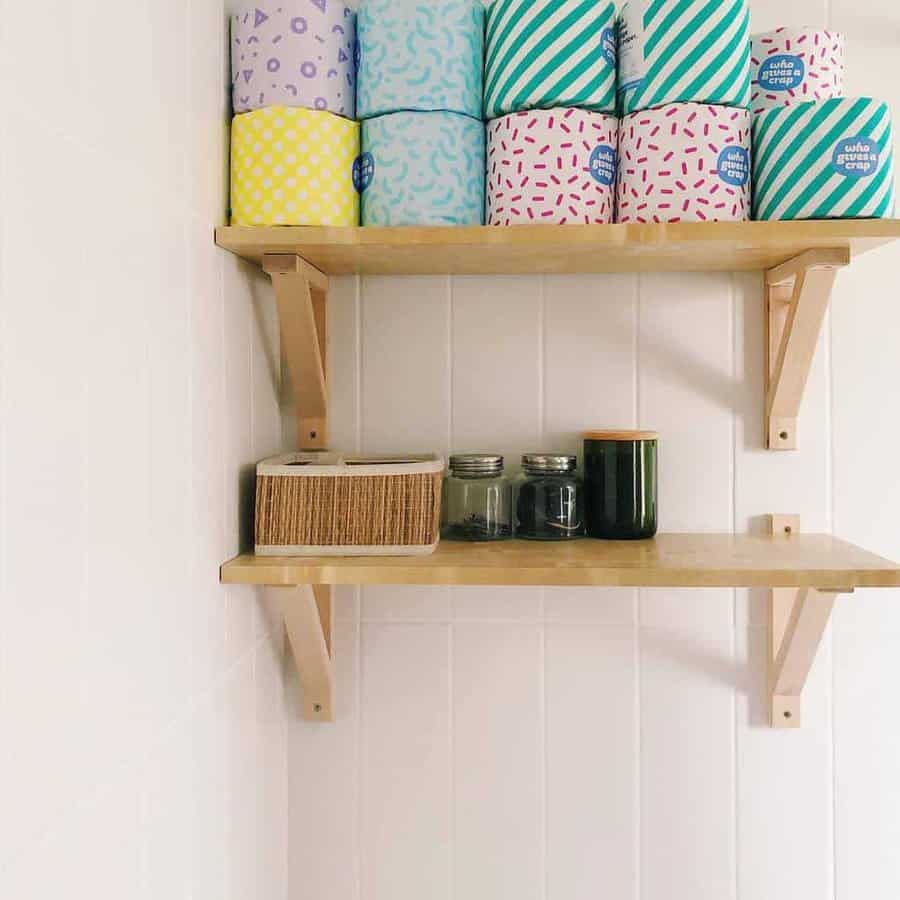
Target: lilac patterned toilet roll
<point x="298" y="53"/>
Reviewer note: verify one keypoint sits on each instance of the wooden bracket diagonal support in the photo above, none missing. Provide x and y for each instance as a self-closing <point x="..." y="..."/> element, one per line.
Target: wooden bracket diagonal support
<point x="797" y="297"/>
<point x="798" y="618"/>
<point x="301" y="291"/>
<point x="308" y="621"/>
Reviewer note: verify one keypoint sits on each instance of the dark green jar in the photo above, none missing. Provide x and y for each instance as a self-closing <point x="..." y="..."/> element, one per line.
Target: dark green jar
<point x="620" y="476"/>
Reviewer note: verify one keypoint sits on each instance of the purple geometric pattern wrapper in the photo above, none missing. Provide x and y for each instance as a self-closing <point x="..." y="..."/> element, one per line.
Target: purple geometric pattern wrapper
<point x="685" y="162"/>
<point x="552" y="167"/>
<point x="295" y="53"/>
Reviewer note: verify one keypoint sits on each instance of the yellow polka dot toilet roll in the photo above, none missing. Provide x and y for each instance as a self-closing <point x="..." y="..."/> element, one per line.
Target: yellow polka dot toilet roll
<point x="293" y="166"/>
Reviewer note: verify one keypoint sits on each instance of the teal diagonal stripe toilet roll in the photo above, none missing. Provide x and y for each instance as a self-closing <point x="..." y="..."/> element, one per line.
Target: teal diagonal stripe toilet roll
<point x="691" y="51"/>
<point x="826" y="160"/>
<point x="541" y="54"/>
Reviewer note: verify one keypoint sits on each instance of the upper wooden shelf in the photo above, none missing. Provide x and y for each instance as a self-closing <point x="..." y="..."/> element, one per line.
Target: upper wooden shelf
<point x="686" y="247"/>
<point x="670" y="560"/>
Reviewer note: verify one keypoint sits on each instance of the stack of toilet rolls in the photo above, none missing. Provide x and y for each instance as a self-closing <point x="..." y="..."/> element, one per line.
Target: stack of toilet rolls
<point x="549" y="98"/>
<point x="684" y="92"/>
<point x="420" y="84"/>
<point x="592" y="118"/>
<point x="293" y="138"/>
<point x="816" y="154"/>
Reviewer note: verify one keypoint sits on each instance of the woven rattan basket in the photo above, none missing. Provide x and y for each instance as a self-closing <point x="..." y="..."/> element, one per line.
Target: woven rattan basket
<point x="331" y="505"/>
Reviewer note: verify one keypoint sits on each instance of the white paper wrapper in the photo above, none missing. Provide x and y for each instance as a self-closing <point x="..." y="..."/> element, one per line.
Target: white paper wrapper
<point x="421" y="168"/>
<point x="420" y="56"/>
<point x="686" y="162"/>
<point x="294" y="53"/>
<point x="552" y="167"/>
<point x="795" y="65"/>
<point x="827" y="160"/>
<point x="545" y="54"/>
<point x="683" y="51"/>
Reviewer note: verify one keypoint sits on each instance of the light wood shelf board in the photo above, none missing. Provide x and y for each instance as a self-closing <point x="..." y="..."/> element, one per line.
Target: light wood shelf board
<point x="670" y="560"/>
<point x="482" y="250"/>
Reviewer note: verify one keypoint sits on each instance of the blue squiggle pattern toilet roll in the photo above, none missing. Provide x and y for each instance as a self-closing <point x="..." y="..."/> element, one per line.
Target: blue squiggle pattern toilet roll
<point x="420" y="56"/>
<point x="421" y="168"/>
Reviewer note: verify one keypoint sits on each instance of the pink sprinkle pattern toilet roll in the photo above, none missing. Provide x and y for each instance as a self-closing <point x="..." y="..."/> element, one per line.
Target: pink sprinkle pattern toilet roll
<point x="551" y="167"/>
<point x="299" y="53"/>
<point x="686" y="162"/>
<point x="795" y="65"/>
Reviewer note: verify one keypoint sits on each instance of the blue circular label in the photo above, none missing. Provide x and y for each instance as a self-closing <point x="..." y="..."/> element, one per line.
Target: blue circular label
<point x="602" y="164"/>
<point x="363" y="171"/>
<point x="608" y="45"/>
<point x="781" y="73"/>
<point x="856" y="157"/>
<point x="733" y="166"/>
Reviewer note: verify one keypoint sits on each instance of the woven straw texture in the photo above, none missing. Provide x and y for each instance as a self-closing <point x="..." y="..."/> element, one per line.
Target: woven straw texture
<point x="348" y="511"/>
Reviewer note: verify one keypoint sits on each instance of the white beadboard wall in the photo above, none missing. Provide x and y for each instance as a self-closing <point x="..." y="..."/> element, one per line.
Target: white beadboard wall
<point x="528" y="744"/>
<point x="142" y="713"/>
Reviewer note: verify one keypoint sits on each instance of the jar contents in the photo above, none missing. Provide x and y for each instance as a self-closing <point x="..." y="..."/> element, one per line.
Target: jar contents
<point x="550" y="499"/>
<point x="477" y="503"/>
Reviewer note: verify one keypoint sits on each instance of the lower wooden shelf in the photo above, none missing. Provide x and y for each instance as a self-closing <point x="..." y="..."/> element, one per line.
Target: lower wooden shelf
<point x="804" y="573"/>
<point x="670" y="560"/>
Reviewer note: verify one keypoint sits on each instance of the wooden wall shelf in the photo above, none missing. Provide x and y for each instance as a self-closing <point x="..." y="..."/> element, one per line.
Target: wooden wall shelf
<point x="805" y="574"/>
<point x="670" y="560"/>
<point x="800" y="259"/>
<point x="535" y="249"/>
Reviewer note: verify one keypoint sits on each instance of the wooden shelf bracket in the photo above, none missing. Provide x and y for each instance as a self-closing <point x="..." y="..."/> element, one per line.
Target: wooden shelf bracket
<point x="798" y="618"/>
<point x="301" y="293"/>
<point x="308" y="621"/>
<point x="797" y="297"/>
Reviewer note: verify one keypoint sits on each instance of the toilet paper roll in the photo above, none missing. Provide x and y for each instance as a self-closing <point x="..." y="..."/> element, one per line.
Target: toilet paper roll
<point x="684" y="51"/>
<point x="294" y="54"/>
<point x="293" y="166"/>
<point x="826" y="160"/>
<point x="688" y="162"/>
<point x="549" y="53"/>
<point x="793" y="65"/>
<point x="420" y="56"/>
<point x="422" y="168"/>
<point x="553" y="167"/>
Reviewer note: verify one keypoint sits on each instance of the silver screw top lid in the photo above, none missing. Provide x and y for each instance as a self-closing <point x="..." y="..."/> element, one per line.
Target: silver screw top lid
<point x="548" y="462"/>
<point x="476" y="463"/>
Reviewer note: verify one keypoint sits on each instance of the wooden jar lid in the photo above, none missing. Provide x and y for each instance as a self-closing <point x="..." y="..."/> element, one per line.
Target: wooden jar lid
<point x="621" y="436"/>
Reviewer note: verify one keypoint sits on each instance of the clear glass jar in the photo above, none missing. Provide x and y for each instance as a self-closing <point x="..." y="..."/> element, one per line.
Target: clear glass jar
<point x="477" y="503"/>
<point x="549" y="499"/>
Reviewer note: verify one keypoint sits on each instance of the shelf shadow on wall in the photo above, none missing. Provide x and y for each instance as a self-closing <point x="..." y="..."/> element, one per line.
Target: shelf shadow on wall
<point x="674" y="358"/>
<point x="692" y="654"/>
<point x="256" y="286"/>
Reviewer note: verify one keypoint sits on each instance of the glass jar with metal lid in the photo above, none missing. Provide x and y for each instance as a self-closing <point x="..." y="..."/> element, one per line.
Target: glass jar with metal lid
<point x="477" y="503"/>
<point x="549" y="498"/>
<point x="620" y="476"/>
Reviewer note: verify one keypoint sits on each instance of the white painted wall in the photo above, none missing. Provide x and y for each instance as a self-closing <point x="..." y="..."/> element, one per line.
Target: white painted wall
<point x="142" y="722"/>
<point x="571" y="744"/>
